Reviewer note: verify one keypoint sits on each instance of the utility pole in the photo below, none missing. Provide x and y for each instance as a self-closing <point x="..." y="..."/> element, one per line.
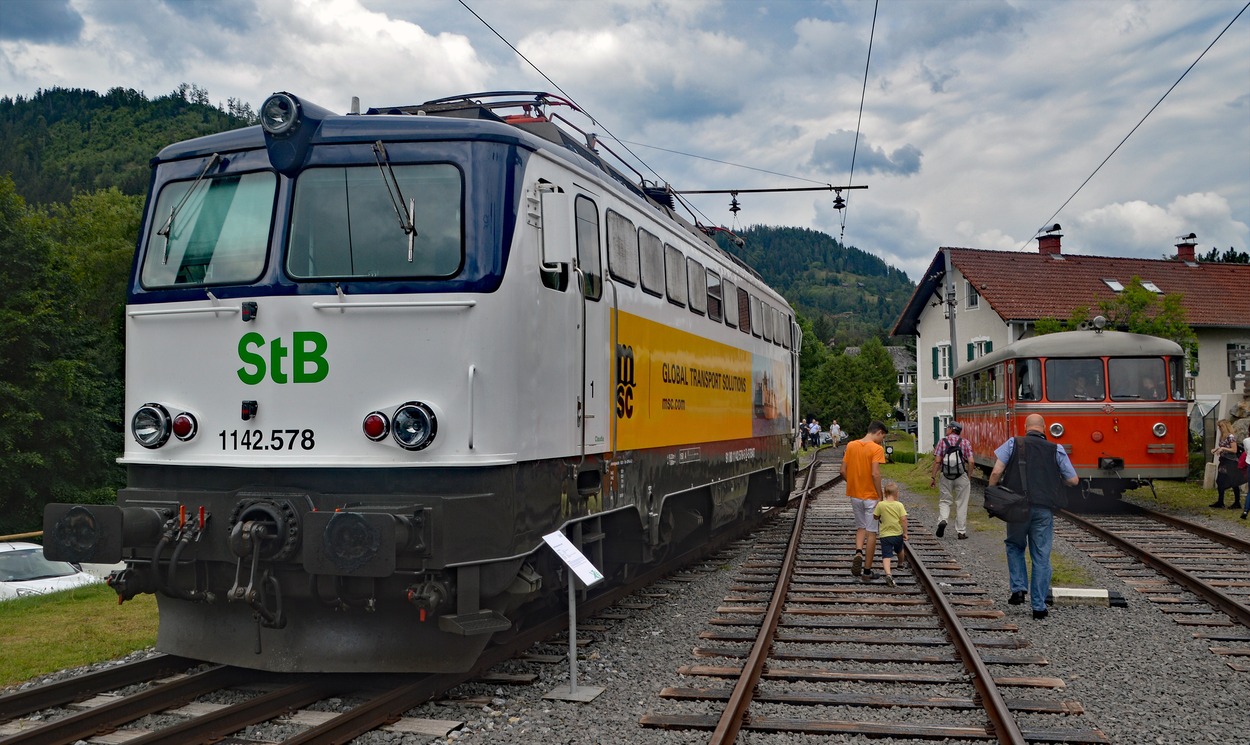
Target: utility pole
<point x="951" y="303"/>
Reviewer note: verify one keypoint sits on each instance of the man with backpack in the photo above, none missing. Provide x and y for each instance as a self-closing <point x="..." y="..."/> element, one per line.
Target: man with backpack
<point x="952" y="458"/>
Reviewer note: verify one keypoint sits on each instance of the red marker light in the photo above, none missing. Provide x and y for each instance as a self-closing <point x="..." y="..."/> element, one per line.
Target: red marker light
<point x="376" y="426"/>
<point x="184" y="426"/>
<point x="1096" y="436"/>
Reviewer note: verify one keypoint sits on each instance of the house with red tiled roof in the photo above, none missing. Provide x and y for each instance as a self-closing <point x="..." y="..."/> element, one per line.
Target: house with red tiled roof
<point x="999" y="295"/>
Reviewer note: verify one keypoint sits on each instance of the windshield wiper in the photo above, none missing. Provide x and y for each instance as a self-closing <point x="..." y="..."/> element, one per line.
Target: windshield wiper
<point x="397" y="196"/>
<point x="168" y="228"/>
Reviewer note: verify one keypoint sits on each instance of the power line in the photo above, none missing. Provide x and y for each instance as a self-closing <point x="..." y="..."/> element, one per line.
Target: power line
<point x="1048" y="220"/>
<point x="862" y="94"/>
<point x="723" y="162"/>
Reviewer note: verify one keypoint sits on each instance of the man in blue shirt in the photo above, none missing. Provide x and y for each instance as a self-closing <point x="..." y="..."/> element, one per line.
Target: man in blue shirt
<point x="1047" y="470"/>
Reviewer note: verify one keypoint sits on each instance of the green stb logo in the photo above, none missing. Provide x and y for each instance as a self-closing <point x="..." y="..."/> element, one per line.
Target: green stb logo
<point x="307" y="362"/>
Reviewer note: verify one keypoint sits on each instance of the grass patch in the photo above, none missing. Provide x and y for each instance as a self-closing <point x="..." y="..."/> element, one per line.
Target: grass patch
<point x="46" y="633"/>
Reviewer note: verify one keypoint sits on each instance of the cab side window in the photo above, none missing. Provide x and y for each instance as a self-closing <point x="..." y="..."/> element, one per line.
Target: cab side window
<point x="588" y="246"/>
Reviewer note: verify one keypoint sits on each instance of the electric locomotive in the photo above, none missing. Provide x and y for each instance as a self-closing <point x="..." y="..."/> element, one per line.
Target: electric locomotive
<point x="373" y="358"/>
<point x="1115" y="401"/>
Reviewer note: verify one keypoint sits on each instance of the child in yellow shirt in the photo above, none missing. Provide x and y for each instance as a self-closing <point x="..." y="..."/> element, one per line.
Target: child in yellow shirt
<point x="893" y="529"/>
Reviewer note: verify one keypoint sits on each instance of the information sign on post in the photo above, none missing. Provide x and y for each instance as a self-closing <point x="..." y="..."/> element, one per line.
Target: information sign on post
<point x="581" y="568"/>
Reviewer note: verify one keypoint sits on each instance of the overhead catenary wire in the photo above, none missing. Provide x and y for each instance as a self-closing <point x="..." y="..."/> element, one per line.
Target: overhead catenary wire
<point x="863" y="91"/>
<point x="1090" y="177"/>
<point x="624" y="143"/>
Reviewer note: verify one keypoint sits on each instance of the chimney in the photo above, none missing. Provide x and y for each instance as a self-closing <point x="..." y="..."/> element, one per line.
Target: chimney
<point x="1048" y="244"/>
<point x="1185" y="249"/>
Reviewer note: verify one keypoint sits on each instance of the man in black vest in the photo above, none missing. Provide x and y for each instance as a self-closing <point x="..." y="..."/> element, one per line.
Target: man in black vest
<point x="1048" y="469"/>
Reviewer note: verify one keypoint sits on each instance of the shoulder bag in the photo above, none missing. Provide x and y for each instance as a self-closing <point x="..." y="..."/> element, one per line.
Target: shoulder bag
<point x="1005" y="504"/>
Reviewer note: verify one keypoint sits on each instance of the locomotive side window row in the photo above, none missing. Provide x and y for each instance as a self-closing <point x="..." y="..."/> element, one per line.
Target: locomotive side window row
<point x="587" y="218"/>
<point x="639" y="259"/>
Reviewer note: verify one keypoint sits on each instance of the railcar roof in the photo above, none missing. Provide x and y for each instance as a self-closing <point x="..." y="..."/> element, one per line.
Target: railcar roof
<point x="1083" y="344"/>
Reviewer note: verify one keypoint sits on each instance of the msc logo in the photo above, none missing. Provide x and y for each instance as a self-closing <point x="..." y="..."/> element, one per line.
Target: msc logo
<point x="307" y="352"/>
<point x="624" y="381"/>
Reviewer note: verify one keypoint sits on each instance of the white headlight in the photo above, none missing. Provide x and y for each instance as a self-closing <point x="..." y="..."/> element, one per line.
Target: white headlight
<point x="414" y="426"/>
<point x="279" y="114"/>
<point x="1056" y="430"/>
<point x="150" y="425"/>
<point x="1160" y="429"/>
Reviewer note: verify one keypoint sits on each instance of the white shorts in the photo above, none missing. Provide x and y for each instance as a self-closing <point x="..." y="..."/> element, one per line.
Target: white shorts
<point x="863" y="514"/>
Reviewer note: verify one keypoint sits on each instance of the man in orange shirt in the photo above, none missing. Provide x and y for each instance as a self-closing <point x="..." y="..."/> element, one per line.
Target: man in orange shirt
<point x="861" y="466"/>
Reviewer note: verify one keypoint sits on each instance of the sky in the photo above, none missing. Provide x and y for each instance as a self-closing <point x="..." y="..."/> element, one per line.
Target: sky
<point x="980" y="118"/>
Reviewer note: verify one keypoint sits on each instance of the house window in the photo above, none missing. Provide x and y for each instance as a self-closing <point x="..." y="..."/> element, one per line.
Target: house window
<point x="974" y="297"/>
<point x="1152" y="287"/>
<point x="1238" y="362"/>
<point x="942" y="361"/>
<point x="1114" y="284"/>
<point x="979" y="348"/>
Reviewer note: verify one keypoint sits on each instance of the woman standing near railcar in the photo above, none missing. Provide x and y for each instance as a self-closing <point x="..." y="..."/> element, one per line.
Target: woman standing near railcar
<point x="1230" y="476"/>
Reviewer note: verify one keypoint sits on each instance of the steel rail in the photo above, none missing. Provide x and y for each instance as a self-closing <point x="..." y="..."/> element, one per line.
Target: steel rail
<point x="1002" y="724"/>
<point x="111" y="716"/>
<point x="1211" y="534"/>
<point x="734" y="715"/>
<point x="77" y="688"/>
<point x="1226" y="603"/>
<point x="731" y="719"/>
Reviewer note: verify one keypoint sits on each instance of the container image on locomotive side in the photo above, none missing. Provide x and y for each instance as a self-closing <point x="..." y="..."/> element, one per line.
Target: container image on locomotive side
<point x="1115" y="401"/>
<point x="372" y="359"/>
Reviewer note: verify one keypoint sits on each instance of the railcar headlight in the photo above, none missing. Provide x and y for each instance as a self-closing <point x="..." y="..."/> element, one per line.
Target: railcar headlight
<point x="376" y="425"/>
<point x="279" y="114"/>
<point x="151" y="425"/>
<point x="1160" y="429"/>
<point x="185" y="426"/>
<point x="415" y="426"/>
<point x="1056" y="430"/>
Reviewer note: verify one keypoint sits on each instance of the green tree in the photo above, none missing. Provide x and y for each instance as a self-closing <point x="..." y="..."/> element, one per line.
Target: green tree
<point x="57" y="442"/>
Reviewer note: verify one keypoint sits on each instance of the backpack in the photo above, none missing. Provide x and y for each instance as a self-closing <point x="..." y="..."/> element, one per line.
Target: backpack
<point x="953" y="462"/>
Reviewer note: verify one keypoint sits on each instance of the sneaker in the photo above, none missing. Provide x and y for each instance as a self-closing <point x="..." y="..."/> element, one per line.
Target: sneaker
<point x="889" y="580"/>
<point x="962" y="536"/>
<point x="1017" y="597"/>
<point x="941" y="528"/>
<point x="868" y="575"/>
<point x="1216" y="505"/>
<point x="1040" y="614"/>
<point x="1243" y="515"/>
<point x="857" y="564"/>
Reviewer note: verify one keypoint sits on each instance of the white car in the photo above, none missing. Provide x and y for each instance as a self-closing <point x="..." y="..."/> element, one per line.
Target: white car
<point x="24" y="571"/>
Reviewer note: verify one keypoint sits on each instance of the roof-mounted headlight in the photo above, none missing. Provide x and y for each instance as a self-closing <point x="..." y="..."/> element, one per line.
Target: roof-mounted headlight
<point x="279" y="114"/>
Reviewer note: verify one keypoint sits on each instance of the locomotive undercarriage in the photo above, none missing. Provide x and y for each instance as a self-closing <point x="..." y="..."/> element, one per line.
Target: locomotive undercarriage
<point x="403" y="571"/>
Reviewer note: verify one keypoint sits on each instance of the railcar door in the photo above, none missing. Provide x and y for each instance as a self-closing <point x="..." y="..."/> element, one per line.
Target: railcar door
<point x="596" y="393"/>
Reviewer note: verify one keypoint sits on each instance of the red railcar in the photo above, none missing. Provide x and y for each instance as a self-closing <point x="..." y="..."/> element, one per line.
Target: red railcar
<point x="1115" y="401"/>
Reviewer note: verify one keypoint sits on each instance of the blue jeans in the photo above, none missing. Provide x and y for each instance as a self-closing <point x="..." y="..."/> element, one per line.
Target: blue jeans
<point x="1037" y="534"/>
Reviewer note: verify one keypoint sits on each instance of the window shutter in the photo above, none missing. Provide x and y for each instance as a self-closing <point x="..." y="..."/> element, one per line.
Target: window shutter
<point x="989" y="346"/>
<point x="937" y="432"/>
<point x="935" y="363"/>
<point x="971" y="351"/>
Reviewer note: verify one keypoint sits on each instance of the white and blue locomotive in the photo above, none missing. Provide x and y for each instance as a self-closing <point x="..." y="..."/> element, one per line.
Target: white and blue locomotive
<point x="371" y="359"/>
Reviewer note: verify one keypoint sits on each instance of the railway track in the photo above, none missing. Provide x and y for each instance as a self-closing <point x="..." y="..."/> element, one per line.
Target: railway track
<point x="1198" y="576"/>
<point x="167" y="699"/>
<point x="811" y="649"/>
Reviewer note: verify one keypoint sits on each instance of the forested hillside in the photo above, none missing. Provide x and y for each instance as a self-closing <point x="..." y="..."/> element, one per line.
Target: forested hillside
<point x="850" y="295"/>
<point x="62" y="141"/>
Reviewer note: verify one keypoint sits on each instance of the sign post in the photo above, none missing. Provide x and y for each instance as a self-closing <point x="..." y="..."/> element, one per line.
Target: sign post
<point x="579" y="568"/>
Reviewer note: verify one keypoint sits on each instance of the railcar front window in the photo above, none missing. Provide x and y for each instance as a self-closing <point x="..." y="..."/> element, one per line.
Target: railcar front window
<point x="218" y="233"/>
<point x="1077" y="379"/>
<point x="345" y="224"/>
<point x="1176" y="367"/>
<point x="1137" y="378"/>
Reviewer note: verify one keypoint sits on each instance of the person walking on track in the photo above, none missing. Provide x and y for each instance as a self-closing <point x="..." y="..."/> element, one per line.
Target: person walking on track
<point x="861" y="467"/>
<point x="1039" y="470"/>
<point x="952" y="458"/>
